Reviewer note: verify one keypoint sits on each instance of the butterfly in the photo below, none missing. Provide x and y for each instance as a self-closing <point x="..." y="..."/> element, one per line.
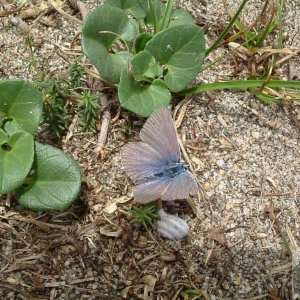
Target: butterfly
<point x="154" y="163"/>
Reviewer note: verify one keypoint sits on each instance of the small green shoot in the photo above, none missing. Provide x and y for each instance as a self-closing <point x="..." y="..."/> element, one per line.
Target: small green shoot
<point x="145" y="214"/>
<point x="57" y="92"/>
<point x="189" y="293"/>
<point x="55" y="114"/>
<point x="88" y="110"/>
<point x="77" y="74"/>
<point x="29" y="43"/>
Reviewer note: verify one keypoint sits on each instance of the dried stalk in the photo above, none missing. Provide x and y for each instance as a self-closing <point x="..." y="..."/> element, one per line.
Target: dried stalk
<point x="7" y="13"/>
<point x="106" y="117"/>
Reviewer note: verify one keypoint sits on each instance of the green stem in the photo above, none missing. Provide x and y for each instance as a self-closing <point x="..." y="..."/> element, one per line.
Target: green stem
<point x="227" y="29"/>
<point x="153" y="15"/>
<point x="167" y="15"/>
<point x="240" y="85"/>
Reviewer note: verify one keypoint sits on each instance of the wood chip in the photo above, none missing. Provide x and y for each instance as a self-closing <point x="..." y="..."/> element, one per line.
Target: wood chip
<point x="107" y="231"/>
<point x="221" y="120"/>
<point x="110" y="208"/>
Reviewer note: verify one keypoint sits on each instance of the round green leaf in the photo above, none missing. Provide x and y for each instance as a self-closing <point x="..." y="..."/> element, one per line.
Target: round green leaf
<point x="21" y="105"/>
<point x="138" y="8"/>
<point x="141" y="41"/>
<point x="181" y="17"/>
<point x="144" y="66"/>
<point x="102" y="27"/>
<point x="16" y="157"/>
<point x="181" y="49"/>
<point x="54" y="183"/>
<point x="142" y="99"/>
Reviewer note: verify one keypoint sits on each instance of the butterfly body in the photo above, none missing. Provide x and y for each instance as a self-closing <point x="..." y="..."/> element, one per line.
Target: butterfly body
<point x="174" y="169"/>
<point x="154" y="163"/>
<point x="171" y="170"/>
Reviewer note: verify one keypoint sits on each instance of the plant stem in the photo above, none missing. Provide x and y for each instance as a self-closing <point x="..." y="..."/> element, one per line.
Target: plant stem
<point x="153" y="15"/>
<point x="167" y="15"/>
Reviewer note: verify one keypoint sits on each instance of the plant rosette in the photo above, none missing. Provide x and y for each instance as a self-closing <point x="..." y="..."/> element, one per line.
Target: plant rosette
<point x="147" y="48"/>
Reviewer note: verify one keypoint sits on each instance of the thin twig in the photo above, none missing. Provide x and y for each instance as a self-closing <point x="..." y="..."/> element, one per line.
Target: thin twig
<point x="106" y="117"/>
<point x="71" y="129"/>
<point x="183" y="105"/>
<point x="12" y="11"/>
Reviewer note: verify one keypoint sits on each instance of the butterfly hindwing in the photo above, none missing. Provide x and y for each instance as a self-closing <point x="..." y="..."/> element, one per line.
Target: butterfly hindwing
<point x="181" y="187"/>
<point x="151" y="190"/>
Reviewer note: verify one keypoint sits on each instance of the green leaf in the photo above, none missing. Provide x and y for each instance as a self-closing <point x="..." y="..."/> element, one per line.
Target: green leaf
<point x="181" y="17"/>
<point x="16" y="157"/>
<point x="138" y="8"/>
<point x="141" y="41"/>
<point x="181" y="49"/>
<point x="142" y="99"/>
<point x="102" y="27"/>
<point x="21" y="105"/>
<point x="144" y="66"/>
<point x="55" y="182"/>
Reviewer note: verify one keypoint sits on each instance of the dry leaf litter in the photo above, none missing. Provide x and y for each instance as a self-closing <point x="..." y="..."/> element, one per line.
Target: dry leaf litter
<point x="244" y="153"/>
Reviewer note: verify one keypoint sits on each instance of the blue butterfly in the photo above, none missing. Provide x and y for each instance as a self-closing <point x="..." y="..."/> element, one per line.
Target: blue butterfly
<point x="154" y="163"/>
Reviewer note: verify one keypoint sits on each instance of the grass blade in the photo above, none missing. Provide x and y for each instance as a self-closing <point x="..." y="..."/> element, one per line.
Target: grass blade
<point x="248" y="84"/>
<point x="227" y="29"/>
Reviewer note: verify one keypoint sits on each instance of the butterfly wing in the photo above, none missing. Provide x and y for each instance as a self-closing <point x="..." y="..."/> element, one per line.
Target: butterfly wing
<point x="140" y="160"/>
<point x="181" y="187"/>
<point x="160" y="133"/>
<point x="151" y="190"/>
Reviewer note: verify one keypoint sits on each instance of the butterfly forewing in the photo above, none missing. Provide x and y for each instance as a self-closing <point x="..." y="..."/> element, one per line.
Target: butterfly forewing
<point x="152" y="190"/>
<point x="159" y="132"/>
<point x="181" y="187"/>
<point x="141" y="161"/>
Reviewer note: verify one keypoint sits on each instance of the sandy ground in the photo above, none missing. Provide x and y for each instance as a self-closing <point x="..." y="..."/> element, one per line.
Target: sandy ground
<point x="244" y="153"/>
